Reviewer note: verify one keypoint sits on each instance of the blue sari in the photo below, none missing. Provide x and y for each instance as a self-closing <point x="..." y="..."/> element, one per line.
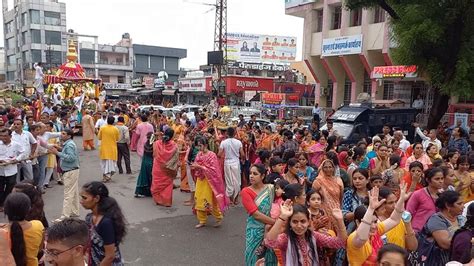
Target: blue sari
<point x="255" y="230"/>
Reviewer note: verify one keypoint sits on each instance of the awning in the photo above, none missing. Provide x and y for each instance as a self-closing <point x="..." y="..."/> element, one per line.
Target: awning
<point x="168" y="92"/>
<point x="146" y="92"/>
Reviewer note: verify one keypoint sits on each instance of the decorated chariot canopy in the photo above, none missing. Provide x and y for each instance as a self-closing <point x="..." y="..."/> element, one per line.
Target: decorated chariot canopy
<point x="70" y="79"/>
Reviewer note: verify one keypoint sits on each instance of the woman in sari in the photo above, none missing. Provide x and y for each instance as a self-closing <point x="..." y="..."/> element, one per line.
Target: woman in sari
<point x="182" y="142"/>
<point x="210" y="194"/>
<point x="267" y="139"/>
<point x="142" y="130"/>
<point x="316" y="151"/>
<point x="144" y="177"/>
<point x="330" y="185"/>
<point x="133" y="128"/>
<point x="257" y="200"/>
<point x="165" y="168"/>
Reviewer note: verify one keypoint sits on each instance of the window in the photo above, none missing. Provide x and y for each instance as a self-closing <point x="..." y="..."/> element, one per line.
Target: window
<point x="336" y="18"/>
<point x="35" y="17"/>
<point x="24" y="56"/>
<point x="52" y="18"/>
<point x="329" y="93"/>
<point x="319" y="20"/>
<point x="53" y="57"/>
<point x="11" y="43"/>
<point x="120" y="79"/>
<point x="367" y="84"/>
<point x="52" y="37"/>
<point x="119" y="60"/>
<point x="347" y="92"/>
<point x="105" y="78"/>
<point x="87" y="56"/>
<point x="379" y="15"/>
<point x="24" y="19"/>
<point x="36" y="36"/>
<point x="9" y="27"/>
<point x="171" y="63"/>
<point x="11" y="75"/>
<point x="356" y="17"/>
<point x="388" y="89"/>
<point x="23" y="38"/>
<point x="11" y="60"/>
<point x="36" y="56"/>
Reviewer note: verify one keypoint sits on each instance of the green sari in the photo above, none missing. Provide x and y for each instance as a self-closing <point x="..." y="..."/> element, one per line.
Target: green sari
<point x="255" y="230"/>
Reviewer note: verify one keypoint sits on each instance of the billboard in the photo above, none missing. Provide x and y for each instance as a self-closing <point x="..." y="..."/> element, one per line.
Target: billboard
<point x="255" y="48"/>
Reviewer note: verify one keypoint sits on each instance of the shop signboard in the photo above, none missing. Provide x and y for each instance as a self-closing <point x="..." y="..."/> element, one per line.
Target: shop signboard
<point x="343" y="45"/>
<point x="192" y="85"/>
<point x="236" y="84"/>
<point x="148" y="82"/>
<point x="117" y="86"/>
<point x="137" y="83"/>
<point x="256" y="48"/>
<point x="272" y="98"/>
<point x="380" y="72"/>
<point x="260" y="66"/>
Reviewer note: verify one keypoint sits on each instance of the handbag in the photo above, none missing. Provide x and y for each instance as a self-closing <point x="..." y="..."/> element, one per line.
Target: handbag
<point x="428" y="253"/>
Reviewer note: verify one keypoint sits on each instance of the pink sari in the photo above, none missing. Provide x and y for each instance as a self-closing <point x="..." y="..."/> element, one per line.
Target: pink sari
<point x="316" y="153"/>
<point x="214" y="176"/>
<point x="165" y="166"/>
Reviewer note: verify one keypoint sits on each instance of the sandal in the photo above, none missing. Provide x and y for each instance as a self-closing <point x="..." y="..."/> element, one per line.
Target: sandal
<point x="199" y="226"/>
<point x="217" y="224"/>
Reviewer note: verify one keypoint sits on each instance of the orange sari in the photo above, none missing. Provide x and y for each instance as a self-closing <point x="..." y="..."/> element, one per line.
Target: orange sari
<point x="165" y="166"/>
<point x="266" y="142"/>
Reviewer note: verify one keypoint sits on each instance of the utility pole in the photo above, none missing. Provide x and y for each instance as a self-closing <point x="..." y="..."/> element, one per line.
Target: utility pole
<point x="220" y="44"/>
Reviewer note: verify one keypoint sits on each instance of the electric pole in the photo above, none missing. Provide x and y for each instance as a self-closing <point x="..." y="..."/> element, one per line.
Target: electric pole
<point x="220" y="44"/>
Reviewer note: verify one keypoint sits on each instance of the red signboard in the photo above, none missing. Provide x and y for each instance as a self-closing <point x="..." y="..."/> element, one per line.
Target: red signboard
<point x="236" y="84"/>
<point x="394" y="71"/>
<point x="273" y="98"/>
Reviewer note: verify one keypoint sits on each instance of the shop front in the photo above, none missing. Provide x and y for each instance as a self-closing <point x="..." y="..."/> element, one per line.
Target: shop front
<point x="195" y="90"/>
<point x="236" y="86"/>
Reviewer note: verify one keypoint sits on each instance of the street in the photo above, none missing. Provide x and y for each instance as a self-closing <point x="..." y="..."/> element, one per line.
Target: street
<point x="159" y="235"/>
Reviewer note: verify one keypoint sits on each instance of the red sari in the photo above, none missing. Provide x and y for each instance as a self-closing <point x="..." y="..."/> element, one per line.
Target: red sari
<point x="165" y="166"/>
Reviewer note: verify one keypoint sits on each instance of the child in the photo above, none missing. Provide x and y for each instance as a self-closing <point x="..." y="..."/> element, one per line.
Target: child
<point x="319" y="222"/>
<point x="376" y="181"/>
<point x="276" y="167"/>
<point x="280" y="185"/>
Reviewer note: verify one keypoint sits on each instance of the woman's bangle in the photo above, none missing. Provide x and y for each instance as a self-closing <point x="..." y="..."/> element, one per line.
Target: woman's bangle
<point x="281" y="219"/>
<point x="365" y="222"/>
<point x="399" y="211"/>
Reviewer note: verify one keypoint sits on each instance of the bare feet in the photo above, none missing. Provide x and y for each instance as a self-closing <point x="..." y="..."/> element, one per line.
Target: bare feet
<point x="218" y="224"/>
<point x="199" y="226"/>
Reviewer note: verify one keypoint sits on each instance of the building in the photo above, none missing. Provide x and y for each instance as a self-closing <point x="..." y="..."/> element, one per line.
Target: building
<point x="150" y="60"/>
<point x="343" y="48"/>
<point x="34" y="31"/>
<point x="2" y="67"/>
<point x="111" y="63"/>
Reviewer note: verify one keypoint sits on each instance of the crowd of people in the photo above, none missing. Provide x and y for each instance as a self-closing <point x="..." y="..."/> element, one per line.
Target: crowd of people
<point x="310" y="199"/>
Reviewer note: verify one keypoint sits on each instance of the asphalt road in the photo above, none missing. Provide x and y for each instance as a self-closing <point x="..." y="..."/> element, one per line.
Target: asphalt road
<point x="159" y="235"/>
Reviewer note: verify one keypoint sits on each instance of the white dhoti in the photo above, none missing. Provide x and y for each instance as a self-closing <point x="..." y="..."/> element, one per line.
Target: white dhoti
<point x="109" y="167"/>
<point x="232" y="179"/>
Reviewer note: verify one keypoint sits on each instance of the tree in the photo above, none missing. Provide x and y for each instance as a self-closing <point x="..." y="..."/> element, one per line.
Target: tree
<point x="438" y="37"/>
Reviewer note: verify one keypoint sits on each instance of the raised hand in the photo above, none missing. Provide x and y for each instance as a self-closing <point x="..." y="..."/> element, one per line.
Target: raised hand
<point x="337" y="214"/>
<point x="403" y="191"/>
<point x="374" y="201"/>
<point x="286" y="209"/>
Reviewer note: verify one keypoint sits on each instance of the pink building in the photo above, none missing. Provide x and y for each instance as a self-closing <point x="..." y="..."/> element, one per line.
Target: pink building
<point x="342" y="47"/>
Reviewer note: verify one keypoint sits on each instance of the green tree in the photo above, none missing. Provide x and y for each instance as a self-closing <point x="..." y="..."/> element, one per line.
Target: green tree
<point x="438" y="37"/>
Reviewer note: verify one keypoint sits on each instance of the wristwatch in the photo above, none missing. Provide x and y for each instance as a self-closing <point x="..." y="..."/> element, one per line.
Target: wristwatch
<point x="406" y="217"/>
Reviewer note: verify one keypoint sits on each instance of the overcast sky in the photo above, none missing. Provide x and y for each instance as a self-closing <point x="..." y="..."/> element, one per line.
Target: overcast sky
<point x="178" y="23"/>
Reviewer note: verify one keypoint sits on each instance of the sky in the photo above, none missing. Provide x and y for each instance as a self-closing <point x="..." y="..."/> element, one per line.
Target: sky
<point x="178" y="23"/>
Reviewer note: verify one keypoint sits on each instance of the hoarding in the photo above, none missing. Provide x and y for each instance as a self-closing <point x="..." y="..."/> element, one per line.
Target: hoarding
<point x="192" y="85"/>
<point x="394" y="72"/>
<point x="342" y="45"/>
<point x="255" y="48"/>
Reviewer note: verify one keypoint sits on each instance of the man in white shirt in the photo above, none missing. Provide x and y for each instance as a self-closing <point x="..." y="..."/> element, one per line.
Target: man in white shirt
<point x="39" y="79"/>
<point x="404" y="143"/>
<point x="418" y="103"/>
<point x="28" y="142"/>
<point x="101" y="122"/>
<point x="10" y="153"/>
<point x="56" y="97"/>
<point x="431" y="138"/>
<point x="232" y="151"/>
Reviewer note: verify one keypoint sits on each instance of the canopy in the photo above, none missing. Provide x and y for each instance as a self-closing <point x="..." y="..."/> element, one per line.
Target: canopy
<point x="71" y="71"/>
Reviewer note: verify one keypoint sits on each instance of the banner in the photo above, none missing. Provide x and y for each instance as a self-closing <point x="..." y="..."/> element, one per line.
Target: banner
<point x="192" y="85"/>
<point x="254" y="48"/>
<point x="272" y="98"/>
<point x="342" y="45"/>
